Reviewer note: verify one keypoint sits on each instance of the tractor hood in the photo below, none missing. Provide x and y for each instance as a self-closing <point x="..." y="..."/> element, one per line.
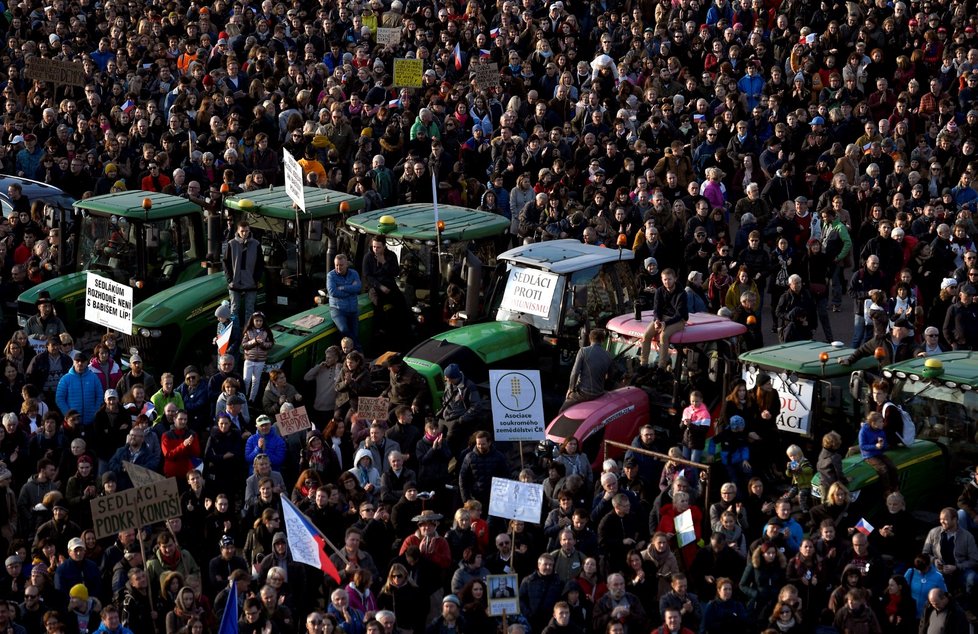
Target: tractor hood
<point x="802" y="357"/>
<point x="492" y="341"/>
<point x="59" y="288"/>
<point x="184" y="301"/>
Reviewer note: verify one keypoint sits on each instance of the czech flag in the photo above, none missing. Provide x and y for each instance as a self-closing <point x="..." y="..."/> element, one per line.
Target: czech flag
<point x="229" y="620"/>
<point x="305" y="541"/>
<point x="458" y="57"/>
<point x="494" y="33"/>
<point x="484" y="54"/>
<point x="864" y="527"/>
<point x="224" y="340"/>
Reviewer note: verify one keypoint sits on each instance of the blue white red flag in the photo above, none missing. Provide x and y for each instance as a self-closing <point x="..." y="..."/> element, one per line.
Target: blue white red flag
<point x="864" y="527"/>
<point x="305" y="541"/>
<point x="458" y="57"/>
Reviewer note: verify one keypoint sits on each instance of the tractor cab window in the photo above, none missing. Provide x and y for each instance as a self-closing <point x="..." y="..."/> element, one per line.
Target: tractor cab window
<point x="943" y="414"/>
<point x="109" y="247"/>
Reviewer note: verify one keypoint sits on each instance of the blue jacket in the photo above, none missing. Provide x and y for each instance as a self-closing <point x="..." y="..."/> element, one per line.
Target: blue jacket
<point x="274" y="449"/>
<point x="30" y="162"/>
<point x="343" y="290"/>
<point x="122" y="629"/>
<point x="867" y="441"/>
<point x="792" y="541"/>
<point x="71" y="573"/>
<point x="81" y="392"/>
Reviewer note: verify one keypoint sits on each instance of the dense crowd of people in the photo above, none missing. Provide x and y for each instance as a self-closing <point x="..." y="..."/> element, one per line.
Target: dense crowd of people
<point x="752" y="154"/>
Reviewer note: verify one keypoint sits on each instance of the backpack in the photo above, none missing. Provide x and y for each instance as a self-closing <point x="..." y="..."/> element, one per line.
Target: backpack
<point x="909" y="429"/>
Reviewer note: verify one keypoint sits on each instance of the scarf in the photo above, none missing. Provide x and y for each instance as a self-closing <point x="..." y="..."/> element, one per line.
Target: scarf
<point x="172" y="561"/>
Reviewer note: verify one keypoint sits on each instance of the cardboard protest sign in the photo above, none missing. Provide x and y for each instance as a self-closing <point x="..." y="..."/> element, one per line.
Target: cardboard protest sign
<point x="486" y="75"/>
<point x="136" y="507"/>
<point x="293" y="421"/>
<point x="141" y="476"/>
<point x="372" y="408"/>
<point x="388" y="37"/>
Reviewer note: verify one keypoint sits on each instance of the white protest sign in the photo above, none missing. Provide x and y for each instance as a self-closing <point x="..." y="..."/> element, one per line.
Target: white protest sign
<point x="517" y="405"/>
<point x="685" y="531"/>
<point x="796" y="401"/>
<point x="387" y="36"/>
<point x="515" y="500"/>
<point x="108" y="303"/>
<point x="294" y="180"/>
<point x="529" y="291"/>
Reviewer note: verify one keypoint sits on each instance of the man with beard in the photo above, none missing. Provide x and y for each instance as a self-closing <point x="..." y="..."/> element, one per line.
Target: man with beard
<point x="618" y="605"/>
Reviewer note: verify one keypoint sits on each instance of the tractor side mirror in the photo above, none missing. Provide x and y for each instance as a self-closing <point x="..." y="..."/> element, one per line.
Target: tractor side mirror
<point x="856" y="384"/>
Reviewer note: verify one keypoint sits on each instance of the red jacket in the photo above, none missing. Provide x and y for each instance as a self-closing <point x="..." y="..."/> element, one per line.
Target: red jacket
<point x="437" y="551"/>
<point x="177" y="458"/>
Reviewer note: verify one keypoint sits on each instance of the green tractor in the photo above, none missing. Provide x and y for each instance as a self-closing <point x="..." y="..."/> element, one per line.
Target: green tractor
<point x="179" y="323"/>
<point x="547" y="297"/>
<point x="467" y="258"/>
<point x="145" y="240"/>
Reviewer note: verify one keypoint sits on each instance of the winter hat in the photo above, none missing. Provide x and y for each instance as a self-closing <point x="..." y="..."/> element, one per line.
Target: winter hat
<point x="223" y="311"/>
<point x="78" y="591"/>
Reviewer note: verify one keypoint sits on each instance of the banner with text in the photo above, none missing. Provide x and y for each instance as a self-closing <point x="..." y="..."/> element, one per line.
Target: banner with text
<point x="529" y="291"/>
<point x="294" y="180"/>
<point x="134" y="508"/>
<point x="408" y="72"/>
<point x="108" y="303"/>
<point x="517" y="405"/>
<point x="293" y="421"/>
<point x="515" y="500"/>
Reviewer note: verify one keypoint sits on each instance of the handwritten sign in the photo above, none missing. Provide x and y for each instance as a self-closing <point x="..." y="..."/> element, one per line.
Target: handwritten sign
<point x="57" y="71"/>
<point x="515" y="500"/>
<point x="486" y="75"/>
<point x="372" y="408"/>
<point x="388" y="37"/>
<point x="135" y="508"/>
<point x="408" y="72"/>
<point x="292" y="421"/>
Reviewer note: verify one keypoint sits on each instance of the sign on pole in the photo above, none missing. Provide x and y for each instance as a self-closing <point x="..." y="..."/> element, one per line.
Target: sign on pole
<point x="515" y="500"/>
<point x="388" y="36"/>
<point x="294" y="180"/>
<point x="529" y="291"/>
<point x="517" y="405"/>
<point x="108" y="303"/>
<point x="141" y="476"/>
<point x="408" y="72"/>
<point x="486" y="75"/>
<point x="502" y="594"/>
<point x="292" y="421"/>
<point x="135" y="507"/>
<point x="796" y="401"/>
<point x="57" y="71"/>
<point x="372" y="407"/>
